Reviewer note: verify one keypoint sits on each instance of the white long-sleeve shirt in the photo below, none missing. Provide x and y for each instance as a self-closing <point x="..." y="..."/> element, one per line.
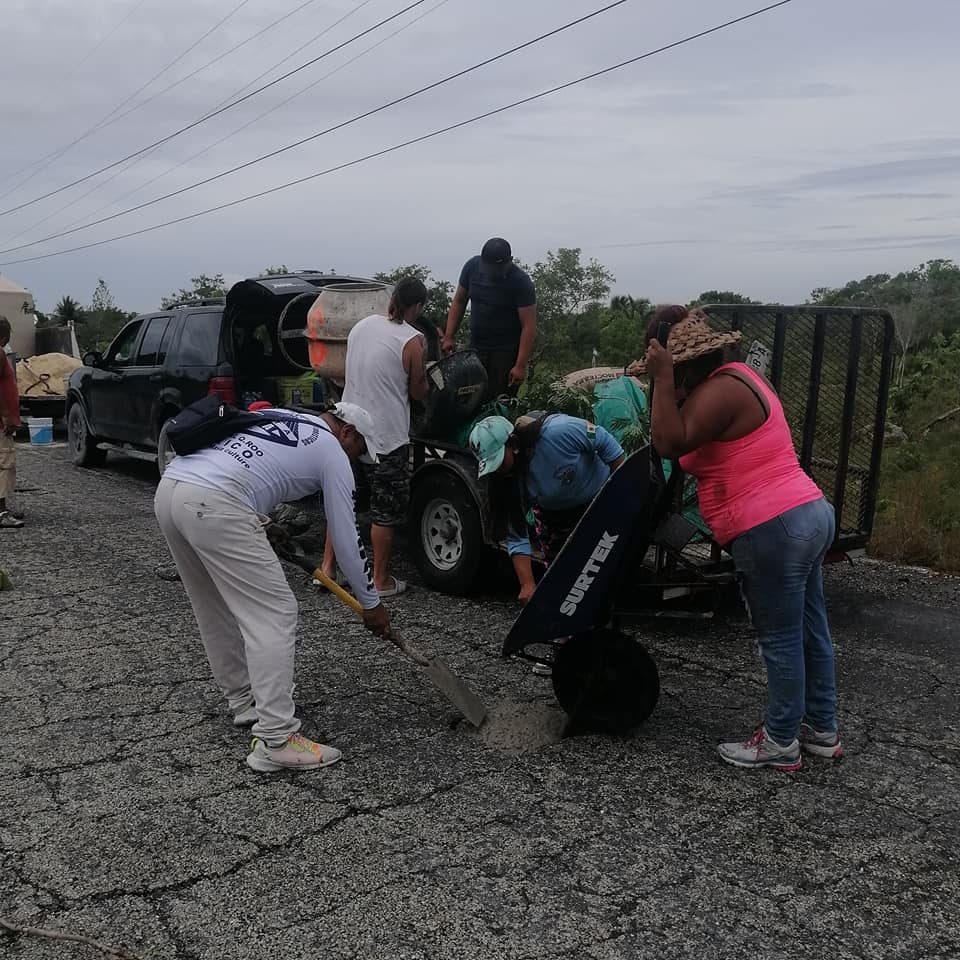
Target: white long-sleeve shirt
<point x="282" y="461"/>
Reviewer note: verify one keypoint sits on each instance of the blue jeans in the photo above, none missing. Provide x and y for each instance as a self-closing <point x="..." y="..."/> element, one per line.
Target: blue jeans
<point x="780" y="564"/>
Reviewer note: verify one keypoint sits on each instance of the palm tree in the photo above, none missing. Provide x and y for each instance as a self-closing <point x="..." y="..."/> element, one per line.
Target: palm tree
<point x="68" y="311"/>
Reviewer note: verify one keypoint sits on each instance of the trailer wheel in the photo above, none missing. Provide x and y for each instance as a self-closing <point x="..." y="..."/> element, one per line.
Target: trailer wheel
<point x="84" y="451"/>
<point x="447" y="535"/>
<point x="605" y="681"/>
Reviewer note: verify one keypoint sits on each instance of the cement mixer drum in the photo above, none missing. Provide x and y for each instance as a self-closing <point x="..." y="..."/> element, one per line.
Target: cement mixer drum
<point x="313" y="329"/>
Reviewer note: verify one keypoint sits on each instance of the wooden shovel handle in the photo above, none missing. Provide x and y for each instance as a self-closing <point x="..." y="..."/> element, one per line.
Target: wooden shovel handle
<point x="351" y="601"/>
<point x="354" y="604"/>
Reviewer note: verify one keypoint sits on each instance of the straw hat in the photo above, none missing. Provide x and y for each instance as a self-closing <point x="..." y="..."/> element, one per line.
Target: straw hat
<point x="688" y="339"/>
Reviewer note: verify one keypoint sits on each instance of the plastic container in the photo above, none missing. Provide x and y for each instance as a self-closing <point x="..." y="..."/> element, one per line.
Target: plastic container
<point x="41" y="430"/>
<point x="296" y="391"/>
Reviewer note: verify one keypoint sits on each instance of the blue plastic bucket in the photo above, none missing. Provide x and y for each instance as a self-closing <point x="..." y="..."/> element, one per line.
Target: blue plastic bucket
<point x="41" y="430"/>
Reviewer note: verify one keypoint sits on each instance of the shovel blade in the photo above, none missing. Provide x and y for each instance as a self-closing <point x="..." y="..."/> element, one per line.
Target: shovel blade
<point x="455" y="690"/>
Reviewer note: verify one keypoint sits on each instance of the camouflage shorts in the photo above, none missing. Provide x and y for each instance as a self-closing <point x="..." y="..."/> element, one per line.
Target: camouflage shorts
<point x="389" y="482"/>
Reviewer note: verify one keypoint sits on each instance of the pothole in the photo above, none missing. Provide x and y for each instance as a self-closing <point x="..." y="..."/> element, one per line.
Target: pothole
<point x="520" y="727"/>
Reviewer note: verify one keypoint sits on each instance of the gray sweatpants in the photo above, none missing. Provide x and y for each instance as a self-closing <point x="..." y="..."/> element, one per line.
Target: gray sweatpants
<point x="245" y="609"/>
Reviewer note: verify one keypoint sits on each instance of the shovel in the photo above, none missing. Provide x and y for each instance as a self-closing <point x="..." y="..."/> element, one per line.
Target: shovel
<point x="442" y="677"/>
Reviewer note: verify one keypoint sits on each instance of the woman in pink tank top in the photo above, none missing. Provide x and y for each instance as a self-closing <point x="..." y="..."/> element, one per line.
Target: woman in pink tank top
<point x="725" y="424"/>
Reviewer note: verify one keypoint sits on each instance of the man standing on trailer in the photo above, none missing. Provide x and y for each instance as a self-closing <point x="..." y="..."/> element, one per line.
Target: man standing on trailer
<point x="503" y="316"/>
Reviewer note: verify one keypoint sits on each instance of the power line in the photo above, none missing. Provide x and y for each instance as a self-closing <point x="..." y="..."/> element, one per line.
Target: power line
<point x="114" y="119"/>
<point x="213" y="113"/>
<point x="322" y="133"/>
<point x="219" y="57"/>
<point x="103" y="121"/>
<point x="167" y="89"/>
<point x="59" y="84"/>
<point x="406" y="143"/>
<point x="240" y="129"/>
<point x="293" y="53"/>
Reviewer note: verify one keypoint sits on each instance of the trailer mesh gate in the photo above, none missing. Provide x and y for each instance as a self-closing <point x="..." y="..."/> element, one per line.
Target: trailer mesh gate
<point x="831" y="367"/>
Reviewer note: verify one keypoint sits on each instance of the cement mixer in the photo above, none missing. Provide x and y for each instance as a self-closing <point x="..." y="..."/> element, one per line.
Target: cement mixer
<point x="313" y="328"/>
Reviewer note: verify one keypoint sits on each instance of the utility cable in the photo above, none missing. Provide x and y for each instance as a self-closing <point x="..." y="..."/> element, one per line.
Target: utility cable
<point x="213" y="113"/>
<point x="322" y="133"/>
<point x="303" y="46"/>
<point x="73" y="70"/>
<point x="104" y="120"/>
<point x="239" y="129"/>
<point x="407" y="143"/>
<point x="170" y="87"/>
<point x="137" y="106"/>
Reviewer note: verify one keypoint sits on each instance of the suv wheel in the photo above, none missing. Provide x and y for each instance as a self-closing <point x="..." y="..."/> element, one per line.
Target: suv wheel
<point x="84" y="451"/>
<point x="165" y="451"/>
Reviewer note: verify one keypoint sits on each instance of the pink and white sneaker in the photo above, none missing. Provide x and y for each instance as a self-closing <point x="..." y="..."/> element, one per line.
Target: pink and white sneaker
<point x="820" y="743"/>
<point x="761" y="751"/>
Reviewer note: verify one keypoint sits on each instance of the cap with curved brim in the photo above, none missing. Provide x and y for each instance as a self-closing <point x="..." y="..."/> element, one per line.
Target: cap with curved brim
<point x="488" y="441"/>
<point x="362" y="422"/>
<point x="689" y="339"/>
<point x="492" y="463"/>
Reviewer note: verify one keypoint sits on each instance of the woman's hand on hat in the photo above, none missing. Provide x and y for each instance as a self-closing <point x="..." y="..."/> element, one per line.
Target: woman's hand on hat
<point x="659" y="362"/>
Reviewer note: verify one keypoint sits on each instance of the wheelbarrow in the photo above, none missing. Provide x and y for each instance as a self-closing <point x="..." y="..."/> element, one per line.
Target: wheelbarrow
<point x="604" y="679"/>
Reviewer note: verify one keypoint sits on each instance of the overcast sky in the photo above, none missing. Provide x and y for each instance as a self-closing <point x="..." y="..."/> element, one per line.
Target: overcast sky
<point x="809" y="146"/>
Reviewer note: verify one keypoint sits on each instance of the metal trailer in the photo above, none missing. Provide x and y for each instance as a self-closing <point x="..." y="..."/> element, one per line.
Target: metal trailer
<point x="633" y="554"/>
<point x="831" y="367"/>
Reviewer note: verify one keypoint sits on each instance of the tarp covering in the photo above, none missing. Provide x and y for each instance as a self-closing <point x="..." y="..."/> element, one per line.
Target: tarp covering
<point x="45" y="375"/>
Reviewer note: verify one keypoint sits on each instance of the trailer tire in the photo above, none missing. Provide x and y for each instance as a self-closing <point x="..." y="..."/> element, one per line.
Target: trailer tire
<point x="84" y="451"/>
<point x="446" y="533"/>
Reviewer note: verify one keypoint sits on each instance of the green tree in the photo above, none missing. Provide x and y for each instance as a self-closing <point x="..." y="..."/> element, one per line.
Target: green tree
<point x="44" y="319"/>
<point x="275" y="271"/>
<point x="102" y="319"/>
<point x="923" y="302"/>
<point x="204" y="288"/>
<point x="622" y="328"/>
<point x="68" y="311"/>
<point x="439" y="292"/>
<point x="570" y="298"/>
<point x="721" y="296"/>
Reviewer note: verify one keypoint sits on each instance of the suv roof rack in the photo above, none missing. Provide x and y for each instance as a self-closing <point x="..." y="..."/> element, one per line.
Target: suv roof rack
<point x="202" y="302"/>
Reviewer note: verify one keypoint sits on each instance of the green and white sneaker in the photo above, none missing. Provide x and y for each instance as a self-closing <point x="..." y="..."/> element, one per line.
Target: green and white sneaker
<point x="760" y="751"/>
<point x="298" y="753"/>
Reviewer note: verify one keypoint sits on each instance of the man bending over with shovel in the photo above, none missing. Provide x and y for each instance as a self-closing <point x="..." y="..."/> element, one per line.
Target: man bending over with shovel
<point x="211" y="506"/>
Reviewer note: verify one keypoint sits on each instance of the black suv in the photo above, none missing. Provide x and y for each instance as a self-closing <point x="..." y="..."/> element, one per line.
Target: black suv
<point x="159" y="362"/>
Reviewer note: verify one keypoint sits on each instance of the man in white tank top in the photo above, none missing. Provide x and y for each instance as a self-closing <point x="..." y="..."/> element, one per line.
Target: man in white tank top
<point x="385" y="371"/>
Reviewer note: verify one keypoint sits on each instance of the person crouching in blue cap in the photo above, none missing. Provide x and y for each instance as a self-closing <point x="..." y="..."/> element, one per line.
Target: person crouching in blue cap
<point x="553" y="465"/>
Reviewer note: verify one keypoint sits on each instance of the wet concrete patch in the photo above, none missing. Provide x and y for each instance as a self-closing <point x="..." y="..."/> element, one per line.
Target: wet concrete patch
<point x="520" y="727"/>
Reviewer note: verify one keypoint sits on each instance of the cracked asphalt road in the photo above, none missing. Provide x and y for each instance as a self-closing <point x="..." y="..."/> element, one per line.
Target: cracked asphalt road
<point x="127" y="813"/>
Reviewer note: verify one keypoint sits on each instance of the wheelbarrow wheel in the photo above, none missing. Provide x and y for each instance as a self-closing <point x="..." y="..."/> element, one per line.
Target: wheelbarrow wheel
<point x="605" y="681"/>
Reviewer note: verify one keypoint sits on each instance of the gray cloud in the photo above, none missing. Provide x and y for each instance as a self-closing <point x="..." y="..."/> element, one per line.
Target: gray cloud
<point x="742" y="160"/>
<point x="903" y="195"/>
